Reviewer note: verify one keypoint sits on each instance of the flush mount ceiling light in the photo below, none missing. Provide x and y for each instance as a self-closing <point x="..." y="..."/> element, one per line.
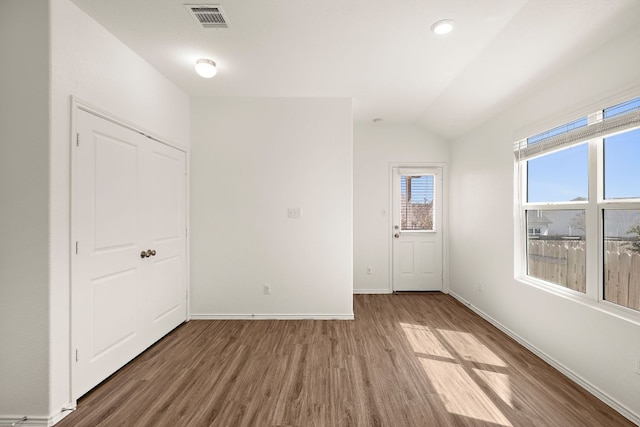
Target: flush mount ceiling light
<point x="206" y="68"/>
<point x="444" y="26"/>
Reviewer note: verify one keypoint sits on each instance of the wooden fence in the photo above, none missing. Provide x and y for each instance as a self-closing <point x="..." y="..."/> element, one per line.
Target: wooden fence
<point x="563" y="262"/>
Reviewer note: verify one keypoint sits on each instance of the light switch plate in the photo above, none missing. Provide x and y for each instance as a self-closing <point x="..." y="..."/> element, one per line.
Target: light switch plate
<point x="294" y="212"/>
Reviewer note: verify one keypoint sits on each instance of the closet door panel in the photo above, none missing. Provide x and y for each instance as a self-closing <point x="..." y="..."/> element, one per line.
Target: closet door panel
<point x="107" y="274"/>
<point x="168" y="237"/>
<point x="129" y="269"/>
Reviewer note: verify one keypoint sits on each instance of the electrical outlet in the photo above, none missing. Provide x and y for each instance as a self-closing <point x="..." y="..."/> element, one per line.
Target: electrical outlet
<point x="369" y="270"/>
<point x="479" y="287"/>
<point x="638" y="365"/>
<point x="266" y="289"/>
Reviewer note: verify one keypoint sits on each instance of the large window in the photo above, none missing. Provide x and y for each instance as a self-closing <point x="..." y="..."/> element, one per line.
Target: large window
<point x="579" y="201"/>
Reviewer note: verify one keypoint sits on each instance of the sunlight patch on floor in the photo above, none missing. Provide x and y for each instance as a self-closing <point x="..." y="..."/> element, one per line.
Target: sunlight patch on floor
<point x="460" y="394"/>
<point x="498" y="383"/>
<point x="424" y="341"/>
<point x="470" y="348"/>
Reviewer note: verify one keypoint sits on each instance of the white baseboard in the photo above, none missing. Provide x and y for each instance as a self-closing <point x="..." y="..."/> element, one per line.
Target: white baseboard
<point x="25" y="421"/>
<point x="271" y="316"/>
<point x="623" y="410"/>
<point x="371" y="291"/>
<point x="33" y="421"/>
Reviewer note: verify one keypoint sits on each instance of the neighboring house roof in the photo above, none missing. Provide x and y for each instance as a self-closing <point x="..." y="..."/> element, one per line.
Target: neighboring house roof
<point x="537" y="220"/>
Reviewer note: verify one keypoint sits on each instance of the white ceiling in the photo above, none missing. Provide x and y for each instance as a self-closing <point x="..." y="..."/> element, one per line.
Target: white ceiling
<point x="382" y="54"/>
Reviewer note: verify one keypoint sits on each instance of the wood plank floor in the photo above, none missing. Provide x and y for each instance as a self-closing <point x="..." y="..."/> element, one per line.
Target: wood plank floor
<point x="407" y="360"/>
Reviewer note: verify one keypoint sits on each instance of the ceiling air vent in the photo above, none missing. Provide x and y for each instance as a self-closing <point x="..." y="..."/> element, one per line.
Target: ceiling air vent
<point x="209" y="16"/>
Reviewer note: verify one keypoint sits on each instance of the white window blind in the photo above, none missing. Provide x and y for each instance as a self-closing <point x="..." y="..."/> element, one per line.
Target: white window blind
<point x="619" y="118"/>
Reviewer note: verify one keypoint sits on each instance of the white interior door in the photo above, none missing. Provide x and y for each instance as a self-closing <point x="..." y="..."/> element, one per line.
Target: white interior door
<point x="167" y="285"/>
<point x="417" y="229"/>
<point x="129" y="197"/>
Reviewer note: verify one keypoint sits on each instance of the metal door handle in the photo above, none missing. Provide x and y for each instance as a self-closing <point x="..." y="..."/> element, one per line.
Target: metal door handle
<point x="148" y="253"/>
<point x="397" y="235"/>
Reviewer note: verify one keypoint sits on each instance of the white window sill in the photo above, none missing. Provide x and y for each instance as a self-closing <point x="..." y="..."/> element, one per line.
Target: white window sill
<point x="611" y="309"/>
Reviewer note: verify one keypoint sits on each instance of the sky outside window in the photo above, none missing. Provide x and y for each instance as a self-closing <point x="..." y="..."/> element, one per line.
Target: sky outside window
<point x="622" y="165"/>
<point x="622" y="157"/>
<point x="563" y="176"/>
<point x="559" y="177"/>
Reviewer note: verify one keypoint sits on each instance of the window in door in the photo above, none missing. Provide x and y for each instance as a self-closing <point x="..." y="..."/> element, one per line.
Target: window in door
<point x="416" y="204"/>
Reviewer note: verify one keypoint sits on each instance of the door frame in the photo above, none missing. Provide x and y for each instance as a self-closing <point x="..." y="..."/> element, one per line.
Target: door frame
<point x="444" y="215"/>
<point x="76" y="105"/>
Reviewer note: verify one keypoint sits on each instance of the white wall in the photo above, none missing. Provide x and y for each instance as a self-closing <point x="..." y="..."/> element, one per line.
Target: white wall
<point x="75" y="56"/>
<point x="593" y="346"/>
<point x="376" y="146"/>
<point x="24" y="195"/>
<point x="252" y="158"/>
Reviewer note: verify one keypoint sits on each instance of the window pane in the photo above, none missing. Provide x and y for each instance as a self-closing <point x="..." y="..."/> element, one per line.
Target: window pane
<point x="621" y="169"/>
<point x="417" y="202"/>
<point x="559" y="177"/>
<point x="556" y="247"/>
<point x="622" y="257"/>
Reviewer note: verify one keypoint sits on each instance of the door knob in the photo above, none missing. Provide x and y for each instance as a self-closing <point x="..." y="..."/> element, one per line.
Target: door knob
<point x="148" y="253"/>
<point x="397" y="235"/>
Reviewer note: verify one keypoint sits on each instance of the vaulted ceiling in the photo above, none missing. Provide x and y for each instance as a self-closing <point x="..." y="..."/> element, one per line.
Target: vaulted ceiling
<point x="381" y="54"/>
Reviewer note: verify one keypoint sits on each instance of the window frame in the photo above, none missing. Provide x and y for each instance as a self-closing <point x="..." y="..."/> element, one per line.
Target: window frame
<point x="594" y="207"/>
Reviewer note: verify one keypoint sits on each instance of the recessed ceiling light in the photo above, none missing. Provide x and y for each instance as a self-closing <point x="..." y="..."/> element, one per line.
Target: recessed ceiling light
<point x="206" y="68"/>
<point x="444" y="26"/>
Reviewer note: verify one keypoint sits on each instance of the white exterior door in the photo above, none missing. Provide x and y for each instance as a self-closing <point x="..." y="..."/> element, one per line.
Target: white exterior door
<point x="417" y="229"/>
<point x="129" y="197"/>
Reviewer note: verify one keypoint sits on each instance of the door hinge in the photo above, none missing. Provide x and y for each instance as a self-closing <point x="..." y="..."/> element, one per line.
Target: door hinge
<point x="187" y="292"/>
<point x="77" y="357"/>
<point x="76" y="247"/>
<point x="77" y="139"/>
